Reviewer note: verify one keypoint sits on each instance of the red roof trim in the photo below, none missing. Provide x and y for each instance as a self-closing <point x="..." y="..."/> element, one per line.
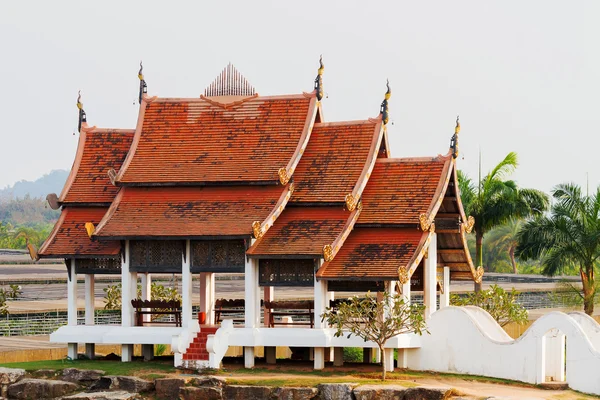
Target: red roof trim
<point x="74" y="168"/>
<point x="111" y="211"/>
<point x="418" y="254"/>
<point x="440" y="192"/>
<point x="286" y="173"/>
<point x="259" y="229"/>
<point x="52" y="235"/>
<point x="330" y="250"/>
<point x="353" y="198"/>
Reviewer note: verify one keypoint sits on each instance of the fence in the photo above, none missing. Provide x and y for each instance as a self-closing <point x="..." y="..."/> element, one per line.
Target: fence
<point x="47" y="322"/>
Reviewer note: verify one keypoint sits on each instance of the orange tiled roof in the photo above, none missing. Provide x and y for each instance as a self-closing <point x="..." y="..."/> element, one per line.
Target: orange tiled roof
<point x="174" y="212"/>
<point x="69" y="238"/>
<point x="373" y="253"/>
<point x="334" y="160"/>
<point x="200" y="140"/>
<point x="301" y="231"/>
<point x="399" y="190"/>
<point x="98" y="151"/>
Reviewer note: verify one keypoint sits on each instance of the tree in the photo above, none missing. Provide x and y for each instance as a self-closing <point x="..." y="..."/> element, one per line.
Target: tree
<point x="504" y="239"/>
<point x="495" y="200"/>
<point x="112" y="295"/>
<point x="376" y="320"/>
<point x="501" y="305"/>
<point x="570" y="235"/>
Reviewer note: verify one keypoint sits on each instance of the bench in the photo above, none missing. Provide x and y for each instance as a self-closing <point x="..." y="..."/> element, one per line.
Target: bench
<point x="156" y="307"/>
<point x="291" y="309"/>
<point x="229" y="308"/>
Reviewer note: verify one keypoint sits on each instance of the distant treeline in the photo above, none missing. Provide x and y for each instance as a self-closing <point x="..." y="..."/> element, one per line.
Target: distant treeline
<point x="26" y="220"/>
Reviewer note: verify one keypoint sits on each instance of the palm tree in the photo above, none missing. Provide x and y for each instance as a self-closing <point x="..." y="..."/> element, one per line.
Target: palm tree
<point x="504" y="239"/>
<point x="570" y="235"/>
<point x="495" y="200"/>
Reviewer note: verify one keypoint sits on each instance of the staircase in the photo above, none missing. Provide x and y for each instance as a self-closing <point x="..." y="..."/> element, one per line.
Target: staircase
<point x="197" y="350"/>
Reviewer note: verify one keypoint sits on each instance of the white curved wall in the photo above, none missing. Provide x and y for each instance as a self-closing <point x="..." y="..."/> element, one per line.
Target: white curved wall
<point x="464" y="340"/>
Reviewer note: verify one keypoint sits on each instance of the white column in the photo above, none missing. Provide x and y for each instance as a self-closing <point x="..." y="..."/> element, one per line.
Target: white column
<point x="186" y="288"/>
<point x="90" y="307"/>
<point x="146" y="283"/>
<point x="555" y="355"/>
<point x="430" y="279"/>
<point x="252" y="305"/>
<point x="127" y="318"/>
<point x="445" y="297"/>
<point x="406" y="292"/>
<point x="207" y="296"/>
<point x="320" y="298"/>
<point x="389" y="359"/>
<point x="268" y="295"/>
<point x="72" y="306"/>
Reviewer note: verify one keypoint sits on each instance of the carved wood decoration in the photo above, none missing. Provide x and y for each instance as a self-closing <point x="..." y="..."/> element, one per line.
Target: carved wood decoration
<point x="96" y="266"/>
<point x="469" y="224"/>
<point x="281" y="272"/>
<point x="218" y="255"/>
<point x="156" y="255"/>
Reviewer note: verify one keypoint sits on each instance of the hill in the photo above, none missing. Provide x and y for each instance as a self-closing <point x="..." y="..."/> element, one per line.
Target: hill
<point x="49" y="183"/>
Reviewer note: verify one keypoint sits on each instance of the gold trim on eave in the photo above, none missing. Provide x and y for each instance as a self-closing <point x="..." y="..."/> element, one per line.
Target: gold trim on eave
<point x="90" y="228"/>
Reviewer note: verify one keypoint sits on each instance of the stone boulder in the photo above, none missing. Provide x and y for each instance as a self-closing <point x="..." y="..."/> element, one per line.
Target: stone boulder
<point x="44" y="374"/>
<point x="10" y="375"/>
<point x="201" y="393"/>
<point x="424" y="393"/>
<point x="209" y="380"/>
<point x="243" y="392"/>
<point x="336" y="391"/>
<point x="168" y="388"/>
<point x="84" y="377"/>
<point x="127" y="383"/>
<point x="376" y="392"/>
<point x="33" y="389"/>
<point x="294" y="393"/>
<point x="121" y="395"/>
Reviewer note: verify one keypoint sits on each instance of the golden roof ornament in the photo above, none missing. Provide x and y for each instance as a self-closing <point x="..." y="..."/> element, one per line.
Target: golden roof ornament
<point x="454" y="140"/>
<point x="384" y="110"/>
<point x="328" y="252"/>
<point x="469" y="224"/>
<point x="319" y="79"/>
<point x="143" y="85"/>
<point x="403" y="276"/>
<point x="82" y="115"/>
<point x="257" y="229"/>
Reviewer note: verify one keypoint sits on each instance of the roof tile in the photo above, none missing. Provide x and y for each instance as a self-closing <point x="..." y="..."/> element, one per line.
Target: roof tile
<point x="188" y="211"/>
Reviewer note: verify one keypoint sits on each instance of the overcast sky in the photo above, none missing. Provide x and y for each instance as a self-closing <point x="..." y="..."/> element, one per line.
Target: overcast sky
<point x="523" y="75"/>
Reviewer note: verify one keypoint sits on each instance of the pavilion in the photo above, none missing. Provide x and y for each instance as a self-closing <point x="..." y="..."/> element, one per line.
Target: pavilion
<point x="234" y="182"/>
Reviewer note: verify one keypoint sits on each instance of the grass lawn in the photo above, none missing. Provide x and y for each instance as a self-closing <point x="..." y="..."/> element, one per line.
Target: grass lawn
<point x="160" y="366"/>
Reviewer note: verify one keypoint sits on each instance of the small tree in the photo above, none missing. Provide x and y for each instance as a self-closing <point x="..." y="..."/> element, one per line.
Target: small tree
<point x="501" y="305"/>
<point x="112" y="295"/>
<point x="376" y="320"/>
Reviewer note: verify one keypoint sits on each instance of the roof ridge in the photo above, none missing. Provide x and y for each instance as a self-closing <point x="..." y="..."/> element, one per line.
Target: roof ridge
<point x="230" y="82"/>
<point x="343" y="123"/>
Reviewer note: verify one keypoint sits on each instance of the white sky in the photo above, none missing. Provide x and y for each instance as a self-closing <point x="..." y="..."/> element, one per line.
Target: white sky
<point x="523" y="75"/>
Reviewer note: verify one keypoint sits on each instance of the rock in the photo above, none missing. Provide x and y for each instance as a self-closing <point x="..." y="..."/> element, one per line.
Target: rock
<point x="294" y="393"/>
<point x="375" y="392"/>
<point x="85" y="377"/>
<point x="44" y="373"/>
<point x="104" y="396"/>
<point x="168" y="388"/>
<point x="423" y="393"/>
<point x="243" y="392"/>
<point x="127" y="383"/>
<point x="40" y="389"/>
<point x="209" y="380"/>
<point x="10" y="375"/>
<point x="200" y="393"/>
<point x="335" y="391"/>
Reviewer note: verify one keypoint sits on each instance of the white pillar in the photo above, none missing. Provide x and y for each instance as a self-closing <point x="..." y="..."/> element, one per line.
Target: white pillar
<point x="390" y="288"/>
<point x="90" y="307"/>
<point x="430" y="279"/>
<point x="268" y="295"/>
<point x="321" y="299"/>
<point x="252" y="305"/>
<point x="406" y="292"/>
<point x="146" y="283"/>
<point x="445" y="297"/>
<point x="555" y="355"/>
<point x="128" y="280"/>
<point x="389" y="359"/>
<point x="186" y="288"/>
<point x="72" y="306"/>
<point x="207" y="296"/>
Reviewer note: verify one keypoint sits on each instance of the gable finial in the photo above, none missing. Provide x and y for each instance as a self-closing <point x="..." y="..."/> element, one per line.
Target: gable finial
<point x="319" y="79"/>
<point x="143" y="86"/>
<point x="82" y="116"/>
<point x="454" y="140"/>
<point x="384" y="110"/>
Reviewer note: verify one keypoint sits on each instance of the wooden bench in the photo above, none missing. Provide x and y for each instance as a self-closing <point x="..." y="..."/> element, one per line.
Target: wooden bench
<point x="229" y="308"/>
<point x="156" y="307"/>
<point x="291" y="309"/>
